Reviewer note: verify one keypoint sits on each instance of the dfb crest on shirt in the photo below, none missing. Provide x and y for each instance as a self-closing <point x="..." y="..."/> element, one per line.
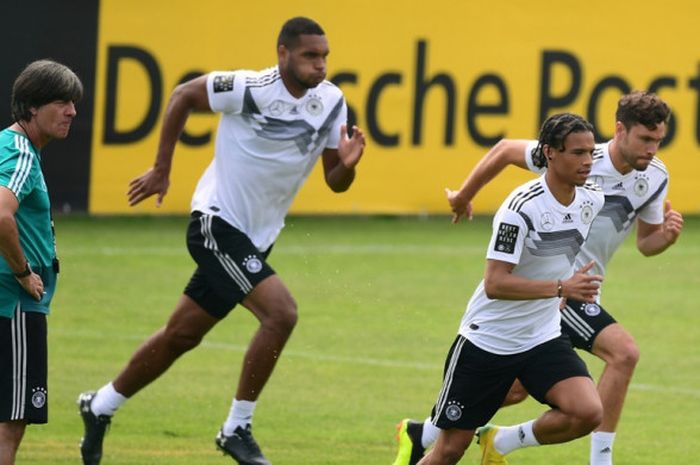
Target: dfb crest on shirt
<point x="314" y="106"/>
<point x="641" y="185"/>
<point x="587" y="212"/>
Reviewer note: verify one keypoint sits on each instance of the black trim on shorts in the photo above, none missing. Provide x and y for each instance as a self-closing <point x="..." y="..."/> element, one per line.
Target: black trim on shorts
<point x="229" y="266"/>
<point x="582" y="322"/>
<point x="23" y="367"/>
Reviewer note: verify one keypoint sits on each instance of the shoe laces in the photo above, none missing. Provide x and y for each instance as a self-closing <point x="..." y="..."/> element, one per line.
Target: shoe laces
<point x="246" y="436"/>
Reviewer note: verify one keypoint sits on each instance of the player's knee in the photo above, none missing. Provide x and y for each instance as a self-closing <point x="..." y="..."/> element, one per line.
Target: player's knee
<point x="625" y="355"/>
<point x="282" y="318"/>
<point x="586" y="420"/>
<point x="180" y="341"/>
<point x="617" y="347"/>
<point x="630" y="354"/>
<point x="591" y="420"/>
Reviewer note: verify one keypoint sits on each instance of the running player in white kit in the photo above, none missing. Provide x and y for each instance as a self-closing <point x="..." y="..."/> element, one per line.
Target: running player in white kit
<point x="635" y="184"/>
<point x="511" y="328"/>
<point x="274" y="126"/>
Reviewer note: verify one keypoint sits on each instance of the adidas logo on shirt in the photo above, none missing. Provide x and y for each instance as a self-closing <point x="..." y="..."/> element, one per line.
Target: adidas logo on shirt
<point x="618" y="186"/>
<point x="567" y="218"/>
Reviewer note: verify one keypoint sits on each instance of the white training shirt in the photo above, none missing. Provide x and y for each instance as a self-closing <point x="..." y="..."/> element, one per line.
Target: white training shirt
<point x="266" y="145"/>
<point x="635" y="194"/>
<point x="542" y="238"/>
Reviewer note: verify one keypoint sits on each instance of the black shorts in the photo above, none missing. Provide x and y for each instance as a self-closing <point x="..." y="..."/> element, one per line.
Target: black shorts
<point x="476" y="381"/>
<point x="229" y="266"/>
<point x="582" y="322"/>
<point x="23" y="372"/>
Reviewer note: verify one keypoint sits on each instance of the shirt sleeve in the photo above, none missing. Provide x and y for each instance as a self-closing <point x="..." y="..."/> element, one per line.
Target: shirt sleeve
<point x="529" y="152"/>
<point x="15" y="173"/>
<point x="341" y="118"/>
<point x="225" y="90"/>
<point x="653" y="212"/>
<point x="508" y="237"/>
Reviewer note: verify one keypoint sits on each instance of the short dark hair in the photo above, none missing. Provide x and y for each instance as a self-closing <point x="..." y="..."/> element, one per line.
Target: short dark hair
<point x="293" y="28"/>
<point x="554" y="131"/>
<point x="642" y="107"/>
<point x="42" y="82"/>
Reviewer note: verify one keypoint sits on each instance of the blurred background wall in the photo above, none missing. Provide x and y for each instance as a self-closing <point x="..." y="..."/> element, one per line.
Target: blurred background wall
<point x="433" y="84"/>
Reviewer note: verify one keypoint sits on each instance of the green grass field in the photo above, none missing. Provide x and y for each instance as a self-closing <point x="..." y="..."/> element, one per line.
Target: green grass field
<point x="380" y="301"/>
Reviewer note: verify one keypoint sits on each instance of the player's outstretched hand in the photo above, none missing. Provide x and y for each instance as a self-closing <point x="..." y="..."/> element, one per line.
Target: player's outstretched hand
<point x="582" y="286"/>
<point x="460" y="207"/>
<point x="151" y="182"/>
<point x="350" y="148"/>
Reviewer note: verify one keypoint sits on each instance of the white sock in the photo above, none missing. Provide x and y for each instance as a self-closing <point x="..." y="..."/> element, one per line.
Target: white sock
<point x="602" y="448"/>
<point x="241" y="414"/>
<point x="509" y="438"/>
<point x="107" y="401"/>
<point x="430" y="433"/>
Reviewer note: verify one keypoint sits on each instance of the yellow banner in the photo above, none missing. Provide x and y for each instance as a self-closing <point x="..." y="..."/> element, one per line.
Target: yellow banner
<point x="432" y="84"/>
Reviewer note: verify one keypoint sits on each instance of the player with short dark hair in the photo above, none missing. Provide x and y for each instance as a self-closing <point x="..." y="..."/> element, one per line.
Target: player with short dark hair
<point x="511" y="328"/>
<point x="635" y="184"/>
<point x="295" y="27"/>
<point x="274" y="125"/>
<point x="43" y="107"/>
